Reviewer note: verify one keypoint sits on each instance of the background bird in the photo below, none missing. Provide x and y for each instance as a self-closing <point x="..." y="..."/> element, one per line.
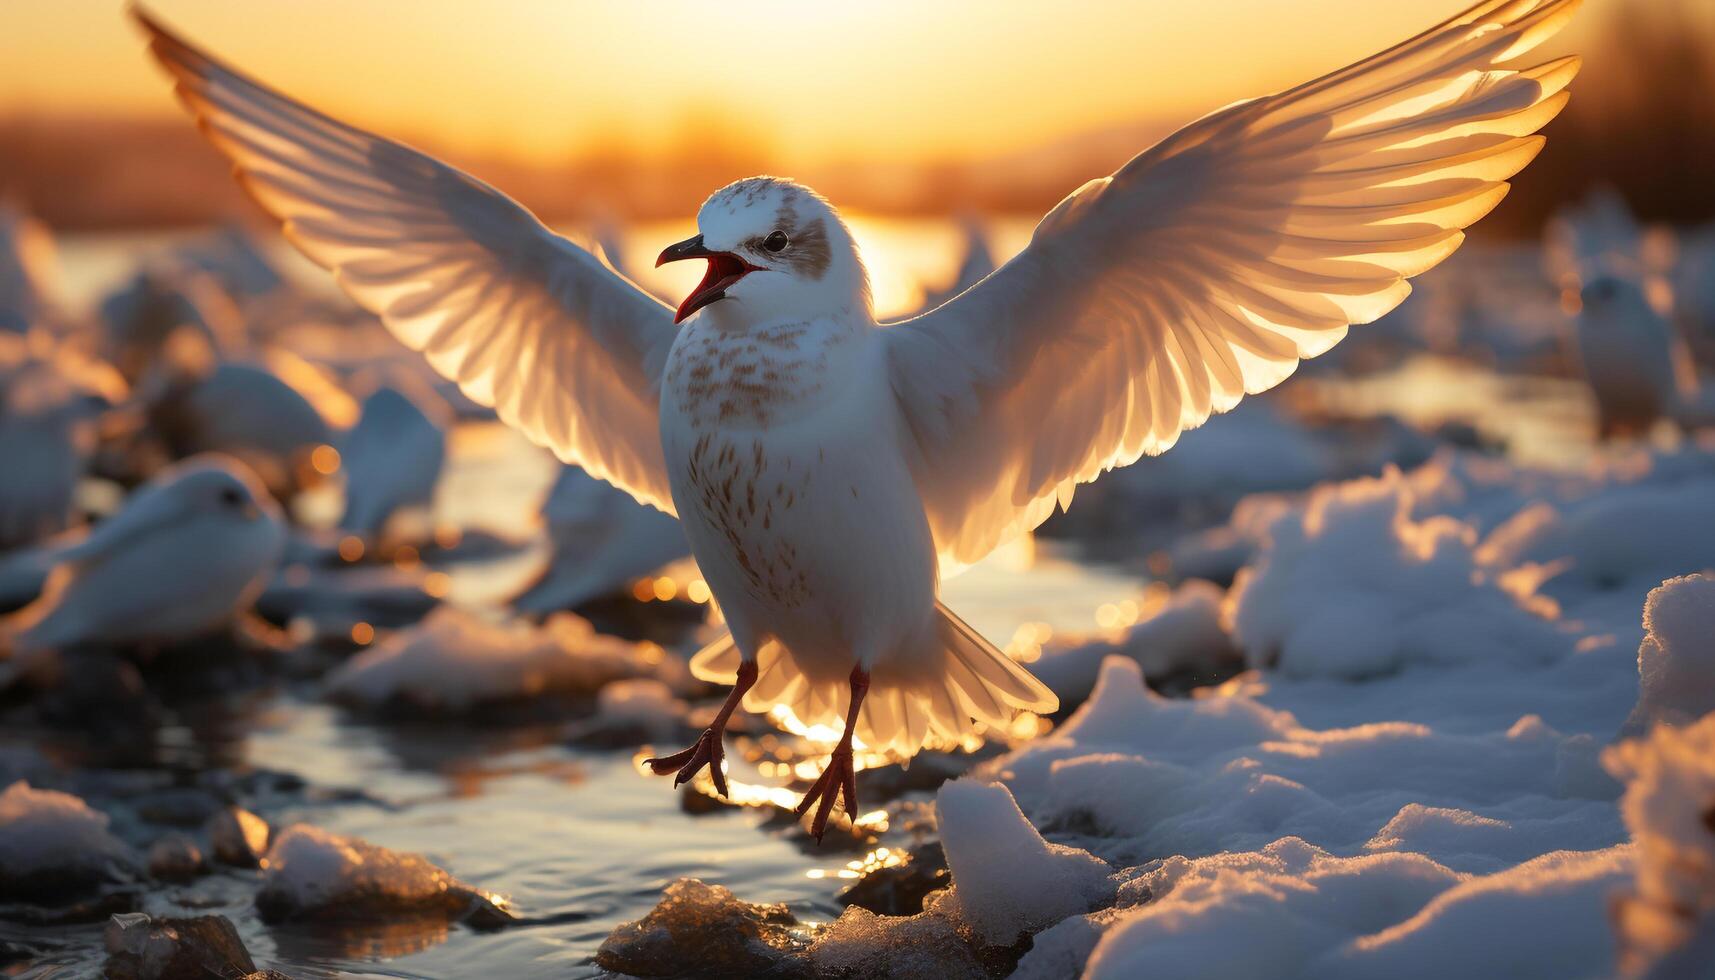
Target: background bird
<point x="601" y="541"/>
<point x="825" y="469"/>
<point x="392" y="457"/>
<point x="186" y="553"/>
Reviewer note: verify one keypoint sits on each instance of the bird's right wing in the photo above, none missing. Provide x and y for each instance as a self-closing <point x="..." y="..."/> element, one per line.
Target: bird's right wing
<point x="561" y="346"/>
<point x="1210" y="265"/>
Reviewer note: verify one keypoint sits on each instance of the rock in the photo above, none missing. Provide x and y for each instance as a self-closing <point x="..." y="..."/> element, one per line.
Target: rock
<point x="702" y="930"/>
<point x="314" y="874"/>
<point x="238" y="837"/>
<point x="55" y="850"/>
<point x="144" y="948"/>
<point x="175" y="857"/>
<point x="901" y="888"/>
<point x="179" y="806"/>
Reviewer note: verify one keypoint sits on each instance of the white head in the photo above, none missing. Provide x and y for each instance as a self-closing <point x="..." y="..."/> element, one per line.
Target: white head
<point x="776" y="250"/>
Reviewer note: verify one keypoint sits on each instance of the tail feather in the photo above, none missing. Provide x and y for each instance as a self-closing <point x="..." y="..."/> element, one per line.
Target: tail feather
<point x="980" y="683"/>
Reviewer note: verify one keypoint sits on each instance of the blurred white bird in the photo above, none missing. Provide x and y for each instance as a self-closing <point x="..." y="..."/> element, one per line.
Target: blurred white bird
<point x="187" y="552"/>
<point x="976" y="265"/>
<point x="1628" y="349"/>
<point x="29" y="271"/>
<point x="392" y="457"/>
<point x="823" y="467"/>
<point x="49" y="401"/>
<point x="602" y="540"/>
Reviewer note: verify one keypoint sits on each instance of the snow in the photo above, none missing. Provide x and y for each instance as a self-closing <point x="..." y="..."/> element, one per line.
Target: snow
<point x="645" y="704"/>
<point x="453" y="662"/>
<point x="53" y="846"/>
<point x="1037" y="883"/>
<point x="1353" y="586"/>
<point x="1669" y="799"/>
<point x="1676" y="661"/>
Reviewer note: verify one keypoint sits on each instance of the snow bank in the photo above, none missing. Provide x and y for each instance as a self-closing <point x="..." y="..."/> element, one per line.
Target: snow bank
<point x="1353" y="586"/>
<point x="1007" y="880"/>
<point x="454" y="662"/>
<point x="1669" y="805"/>
<point x="54" y="848"/>
<point x="1676" y="661"/>
<point x="1134" y="776"/>
<point x="1184" y="635"/>
<point x="311" y="873"/>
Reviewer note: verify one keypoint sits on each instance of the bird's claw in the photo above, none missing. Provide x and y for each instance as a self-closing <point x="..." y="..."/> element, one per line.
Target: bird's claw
<point x="839" y="779"/>
<point x="707" y="751"/>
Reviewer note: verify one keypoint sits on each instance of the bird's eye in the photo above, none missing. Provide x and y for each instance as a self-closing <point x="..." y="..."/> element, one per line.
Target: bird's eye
<point x="230" y="497"/>
<point x="776" y="241"/>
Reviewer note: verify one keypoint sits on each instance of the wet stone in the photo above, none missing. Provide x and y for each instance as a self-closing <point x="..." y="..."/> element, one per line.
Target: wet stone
<point x="900" y="889"/>
<point x="702" y="930"/>
<point x="238" y="837"/>
<point x="175" y="857"/>
<point x="143" y="948"/>
<point x="179" y="807"/>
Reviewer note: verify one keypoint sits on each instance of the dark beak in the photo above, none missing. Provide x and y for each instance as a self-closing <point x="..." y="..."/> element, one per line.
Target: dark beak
<point x="725" y="268"/>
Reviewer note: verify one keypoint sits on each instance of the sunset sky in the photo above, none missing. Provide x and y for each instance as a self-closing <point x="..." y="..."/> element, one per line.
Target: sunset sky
<point x="902" y="80"/>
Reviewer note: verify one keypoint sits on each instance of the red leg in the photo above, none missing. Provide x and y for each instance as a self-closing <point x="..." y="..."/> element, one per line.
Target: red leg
<point x="707" y="751"/>
<point x="840" y="778"/>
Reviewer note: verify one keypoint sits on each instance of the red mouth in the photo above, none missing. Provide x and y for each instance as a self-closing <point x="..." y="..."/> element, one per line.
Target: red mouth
<point x="724" y="269"/>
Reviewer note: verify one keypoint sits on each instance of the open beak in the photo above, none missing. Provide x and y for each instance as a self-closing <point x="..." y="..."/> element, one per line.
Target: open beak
<point x="725" y="268"/>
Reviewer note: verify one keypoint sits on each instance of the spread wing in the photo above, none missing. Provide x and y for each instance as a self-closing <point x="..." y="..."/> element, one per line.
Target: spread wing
<point x="562" y="347"/>
<point x="1210" y="265"/>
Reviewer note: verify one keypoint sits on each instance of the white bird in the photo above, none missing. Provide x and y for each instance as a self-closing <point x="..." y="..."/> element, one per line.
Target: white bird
<point x="187" y="552"/>
<point x="601" y="540"/>
<point x="392" y="457"/>
<point x="29" y="271"/>
<point x="1626" y="344"/>
<point x="49" y="401"/>
<point x="823" y="467"/>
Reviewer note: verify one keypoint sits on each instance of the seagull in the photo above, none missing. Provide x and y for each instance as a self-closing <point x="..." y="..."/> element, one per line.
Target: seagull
<point x="393" y="456"/>
<point x="1627" y="346"/>
<point x="186" y="552"/>
<point x="826" y="469"/>
<point x="601" y="539"/>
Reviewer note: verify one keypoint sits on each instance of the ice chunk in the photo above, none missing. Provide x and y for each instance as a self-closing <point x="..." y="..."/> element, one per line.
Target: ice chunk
<point x="454" y="662"/>
<point x="1354" y="587"/>
<point x="1008" y="880"/>
<point x="54" y="848"/>
<point x="310" y="873"/>
<point x="142" y="948"/>
<point x="699" y="929"/>
<point x="1676" y="662"/>
<point x="881" y="947"/>
<point x="1669" y="805"/>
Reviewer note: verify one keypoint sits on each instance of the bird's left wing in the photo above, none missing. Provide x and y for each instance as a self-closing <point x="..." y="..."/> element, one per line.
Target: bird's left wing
<point x="561" y="346"/>
<point x="1209" y="265"/>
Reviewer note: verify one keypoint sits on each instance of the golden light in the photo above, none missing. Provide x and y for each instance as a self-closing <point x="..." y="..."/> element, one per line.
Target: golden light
<point x="351" y="547"/>
<point x="362" y="634"/>
<point x="698" y="591"/>
<point x="643" y="590"/>
<point x="406" y="556"/>
<point x="448" y="536"/>
<point x="325" y="460"/>
<point x="665" y="589"/>
<point x="437" y="584"/>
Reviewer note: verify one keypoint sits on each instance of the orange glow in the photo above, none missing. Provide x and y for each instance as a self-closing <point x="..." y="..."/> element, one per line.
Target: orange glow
<point x="351" y="547"/>
<point x="363" y="634"/>
<point x="892" y="79"/>
<point x="325" y="459"/>
<point x="437" y="584"/>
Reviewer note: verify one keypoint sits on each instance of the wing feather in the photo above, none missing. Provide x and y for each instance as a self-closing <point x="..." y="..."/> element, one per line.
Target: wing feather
<point x="1210" y="265"/>
<point x="562" y="347"/>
